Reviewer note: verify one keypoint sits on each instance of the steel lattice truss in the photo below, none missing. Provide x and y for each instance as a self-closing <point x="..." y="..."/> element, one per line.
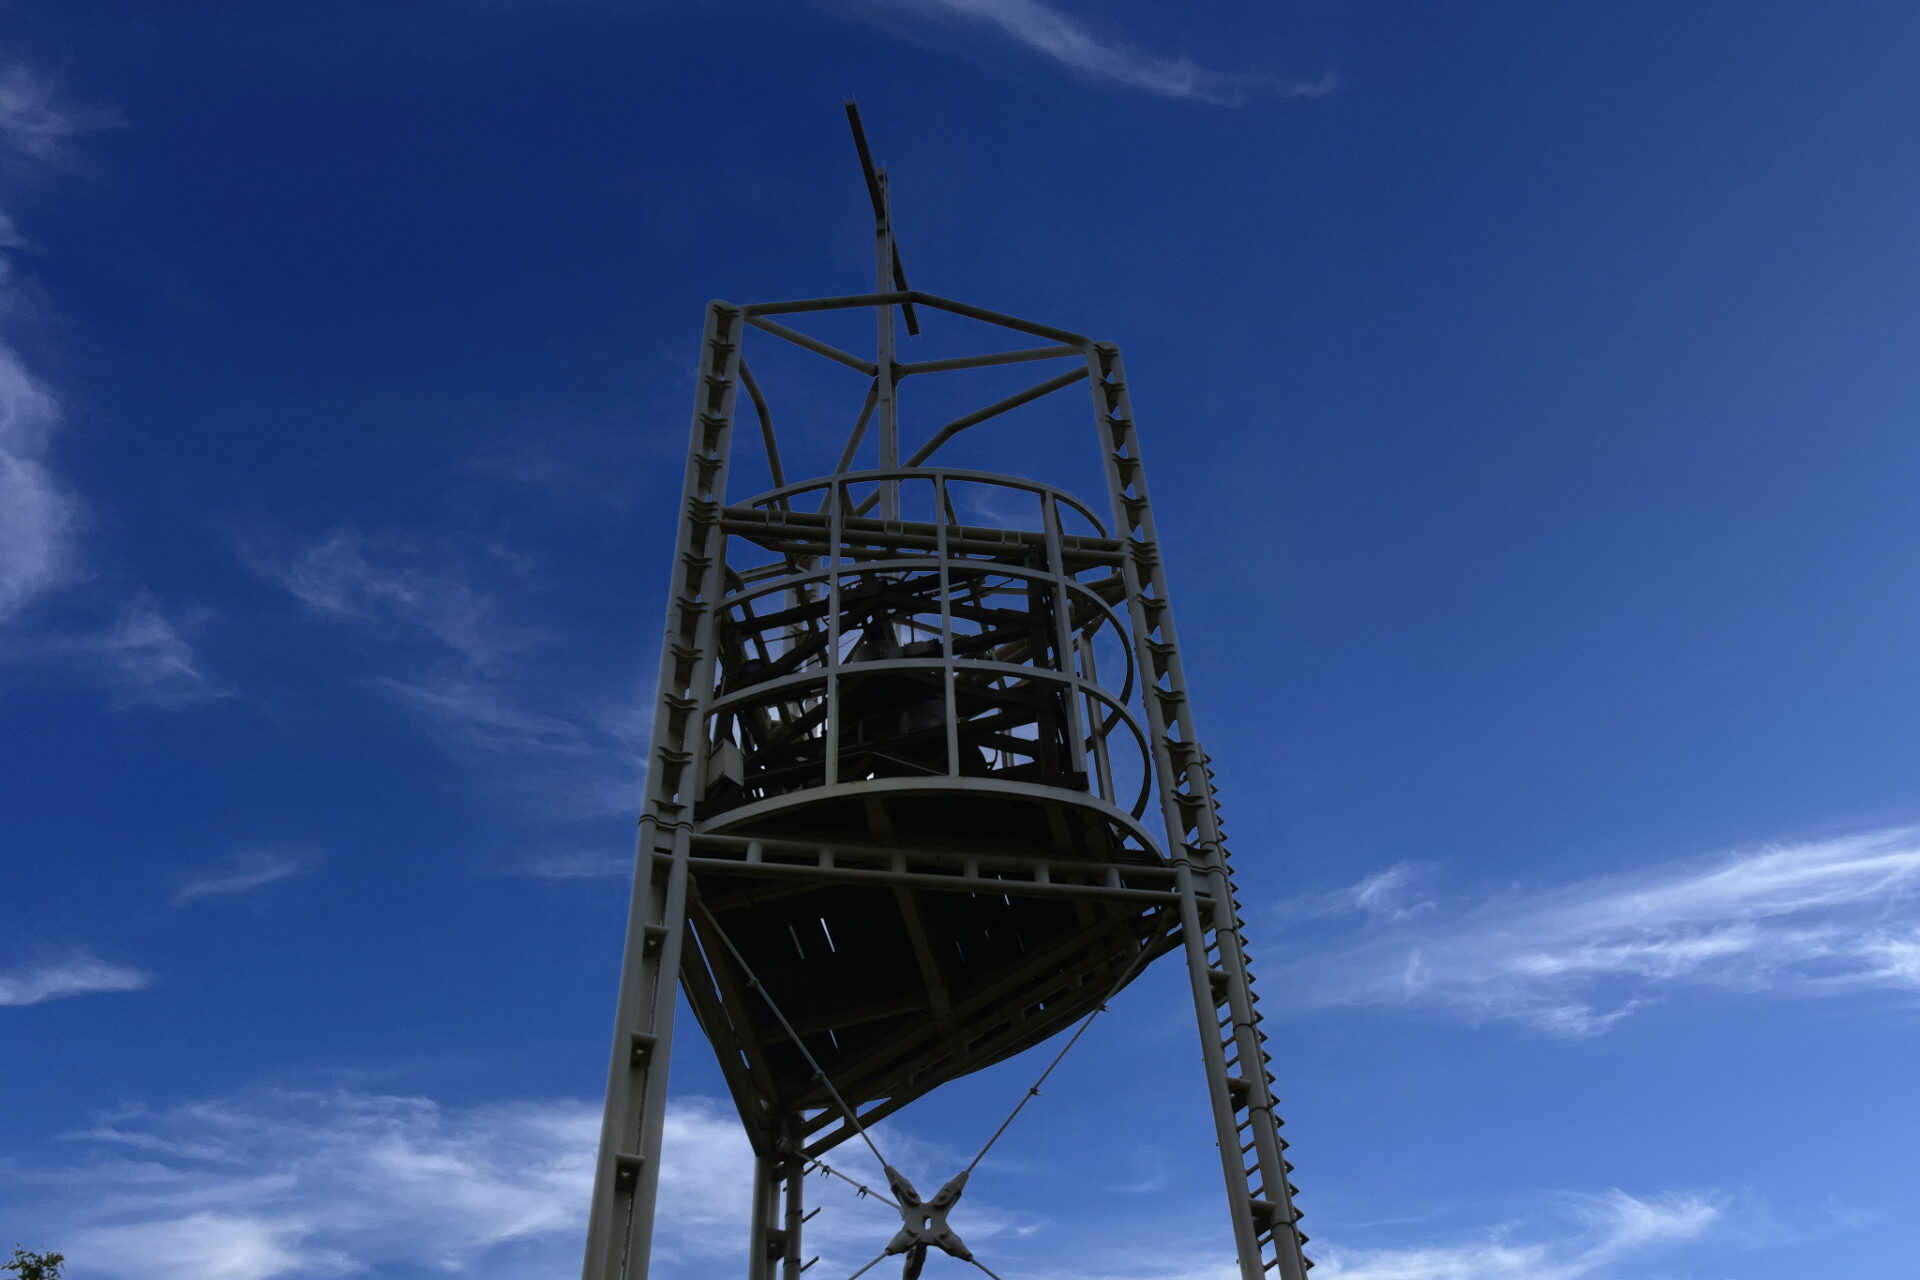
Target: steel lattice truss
<point x="897" y="819"/>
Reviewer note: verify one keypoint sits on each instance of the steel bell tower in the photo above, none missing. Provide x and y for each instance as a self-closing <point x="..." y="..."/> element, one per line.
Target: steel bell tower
<point x="924" y="790"/>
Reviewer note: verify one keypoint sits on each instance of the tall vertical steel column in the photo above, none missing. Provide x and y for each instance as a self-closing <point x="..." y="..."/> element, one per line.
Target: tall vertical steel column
<point x="896" y="816"/>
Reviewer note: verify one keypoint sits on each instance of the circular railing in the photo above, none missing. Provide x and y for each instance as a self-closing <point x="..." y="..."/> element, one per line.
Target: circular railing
<point x="922" y="649"/>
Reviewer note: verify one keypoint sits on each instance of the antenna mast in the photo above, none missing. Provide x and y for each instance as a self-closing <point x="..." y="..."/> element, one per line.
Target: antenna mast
<point x="889" y="276"/>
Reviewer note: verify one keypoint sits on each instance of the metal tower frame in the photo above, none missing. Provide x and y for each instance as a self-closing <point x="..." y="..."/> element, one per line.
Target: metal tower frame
<point x="710" y="847"/>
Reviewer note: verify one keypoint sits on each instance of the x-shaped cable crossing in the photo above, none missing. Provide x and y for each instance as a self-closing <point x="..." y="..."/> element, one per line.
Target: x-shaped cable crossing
<point x="923" y="1223"/>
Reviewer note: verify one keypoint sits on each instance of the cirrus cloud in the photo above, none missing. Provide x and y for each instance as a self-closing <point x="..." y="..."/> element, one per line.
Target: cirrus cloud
<point x="278" y="1182"/>
<point x="1043" y="29"/>
<point x="1822" y="916"/>
<point x="76" y="975"/>
<point x="1590" y="1236"/>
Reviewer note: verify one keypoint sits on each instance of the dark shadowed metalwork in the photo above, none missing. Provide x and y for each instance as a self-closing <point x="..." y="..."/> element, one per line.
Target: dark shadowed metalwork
<point x="900" y="816"/>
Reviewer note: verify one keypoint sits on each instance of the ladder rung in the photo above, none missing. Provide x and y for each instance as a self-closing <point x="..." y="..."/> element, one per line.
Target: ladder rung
<point x="640" y="1047"/>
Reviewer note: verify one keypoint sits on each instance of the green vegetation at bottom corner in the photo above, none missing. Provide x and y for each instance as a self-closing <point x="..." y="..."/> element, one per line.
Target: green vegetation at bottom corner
<point x="34" y="1266"/>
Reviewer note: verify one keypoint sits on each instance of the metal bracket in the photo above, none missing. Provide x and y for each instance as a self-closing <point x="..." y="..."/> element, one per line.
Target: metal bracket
<point x="924" y="1224"/>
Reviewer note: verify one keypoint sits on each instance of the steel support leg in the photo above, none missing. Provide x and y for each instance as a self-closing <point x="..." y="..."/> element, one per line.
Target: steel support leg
<point x="764" y="1243"/>
<point x="795" y="1173"/>
<point x="1267" y="1236"/>
<point x="779" y="1209"/>
<point x="1219" y="1080"/>
<point x="627" y="1175"/>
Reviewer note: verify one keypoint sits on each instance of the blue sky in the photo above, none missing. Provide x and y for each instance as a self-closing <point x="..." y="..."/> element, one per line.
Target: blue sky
<point x="1529" y="393"/>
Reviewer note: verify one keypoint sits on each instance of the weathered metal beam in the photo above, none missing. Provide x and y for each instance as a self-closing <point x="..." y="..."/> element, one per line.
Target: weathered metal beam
<point x="774" y="469"/>
<point x="989" y="360"/>
<point x="843" y="302"/>
<point x="854" y="436"/>
<point x="984" y="1049"/>
<point x="742" y="1060"/>
<point x="947" y="883"/>
<point x="754" y="850"/>
<point x="1000" y="318"/>
<point x="993" y="410"/>
<point x="882" y="210"/>
<point x="868" y="1075"/>
<point x="813" y="344"/>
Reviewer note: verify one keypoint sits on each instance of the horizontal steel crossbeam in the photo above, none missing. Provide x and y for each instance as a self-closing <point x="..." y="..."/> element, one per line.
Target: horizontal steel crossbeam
<point x="1036" y="876"/>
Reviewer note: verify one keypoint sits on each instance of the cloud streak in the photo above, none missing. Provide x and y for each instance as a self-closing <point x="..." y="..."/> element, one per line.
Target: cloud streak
<point x="246" y="871"/>
<point x="573" y="865"/>
<point x="284" y="1182"/>
<point x="151" y="654"/>
<point x="443" y="608"/>
<point x="143" y="652"/>
<point x="421" y="585"/>
<point x="485" y="716"/>
<point x="1825" y="916"/>
<point x="1391" y="896"/>
<point x="1610" y="1236"/>
<point x="289" y="1182"/>
<point x="37" y="514"/>
<point x="77" y="975"/>
<point x="1045" y="30"/>
<point x="40" y="518"/>
<point x="579" y="761"/>
<point x="1594" y="1236"/>
<point x="32" y="121"/>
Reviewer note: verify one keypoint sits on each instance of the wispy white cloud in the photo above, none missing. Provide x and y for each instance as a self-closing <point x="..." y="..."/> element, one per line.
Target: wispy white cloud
<point x="443" y="611"/>
<point x="143" y="652"/>
<point x="488" y="717"/>
<point x="574" y="865"/>
<point x="420" y="584"/>
<point x="288" y="1182"/>
<point x="297" y="1182"/>
<point x="1612" y="1236"/>
<point x="38" y="515"/>
<point x="1833" y="915"/>
<point x="1075" y="44"/>
<point x="575" y="760"/>
<point x="33" y="121"/>
<point x="593" y="473"/>
<point x="1390" y="896"/>
<point x="76" y="975"/>
<point x="152" y="655"/>
<point x="217" y="1246"/>
<point x="1592" y="1237"/>
<point x="245" y="871"/>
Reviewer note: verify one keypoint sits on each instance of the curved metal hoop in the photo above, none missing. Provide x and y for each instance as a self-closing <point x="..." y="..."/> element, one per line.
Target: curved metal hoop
<point x="813" y="684"/>
<point x="789" y="582"/>
<point x="986" y="629"/>
<point x="785" y="494"/>
<point x="933" y="784"/>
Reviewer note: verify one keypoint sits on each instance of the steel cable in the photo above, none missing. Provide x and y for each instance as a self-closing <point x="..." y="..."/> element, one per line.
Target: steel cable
<point x="819" y="1072"/>
<point x="1126" y="975"/>
<point x="861" y="1187"/>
